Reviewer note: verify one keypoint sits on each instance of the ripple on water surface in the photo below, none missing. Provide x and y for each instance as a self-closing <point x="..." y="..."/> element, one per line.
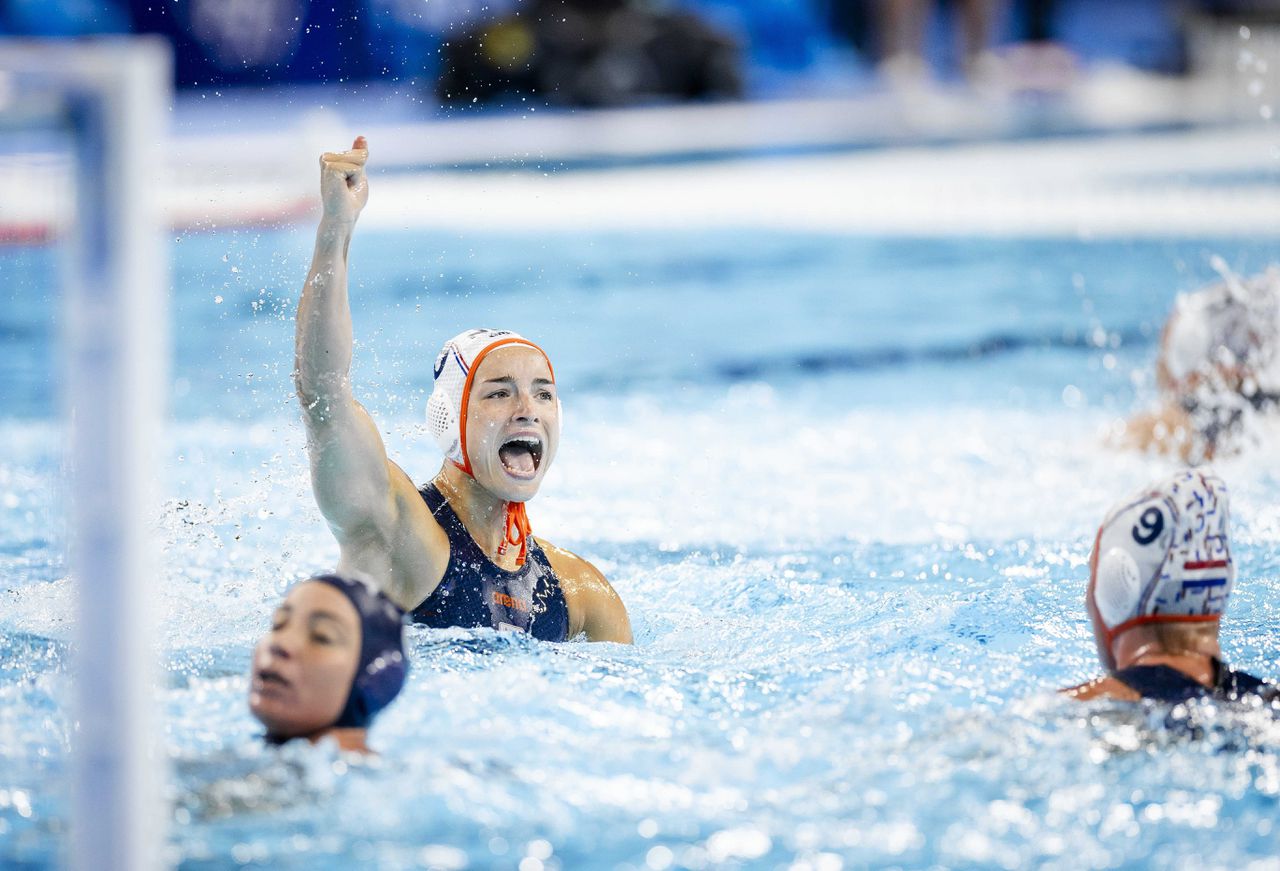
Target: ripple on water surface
<point x="854" y="568"/>
<point x="848" y="668"/>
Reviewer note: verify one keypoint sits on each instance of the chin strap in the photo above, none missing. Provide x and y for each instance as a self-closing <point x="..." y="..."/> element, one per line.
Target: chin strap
<point x="516" y="529"/>
<point x="517" y="532"/>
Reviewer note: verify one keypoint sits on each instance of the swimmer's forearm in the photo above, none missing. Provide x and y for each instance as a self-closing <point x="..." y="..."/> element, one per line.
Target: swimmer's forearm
<point x="324" y="333"/>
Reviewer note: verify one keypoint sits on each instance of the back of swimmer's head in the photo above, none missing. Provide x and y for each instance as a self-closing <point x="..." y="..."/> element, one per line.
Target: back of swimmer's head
<point x="1225" y="337"/>
<point x="1161" y="569"/>
<point x="332" y="659"/>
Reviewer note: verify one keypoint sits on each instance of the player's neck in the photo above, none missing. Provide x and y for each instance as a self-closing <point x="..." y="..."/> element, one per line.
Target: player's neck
<point x="481" y="512"/>
<point x="348" y="739"/>
<point x="1199" y="666"/>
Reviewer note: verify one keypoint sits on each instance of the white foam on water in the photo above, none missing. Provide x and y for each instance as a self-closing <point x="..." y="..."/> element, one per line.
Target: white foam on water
<point x="849" y="621"/>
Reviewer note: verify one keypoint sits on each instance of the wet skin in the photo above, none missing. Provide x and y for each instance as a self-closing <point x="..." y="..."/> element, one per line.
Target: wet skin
<point x="374" y="509"/>
<point x="1136" y="646"/>
<point x="513" y="397"/>
<point x="304" y="666"/>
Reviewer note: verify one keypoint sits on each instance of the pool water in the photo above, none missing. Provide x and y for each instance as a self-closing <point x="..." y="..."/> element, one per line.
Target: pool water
<point x="845" y="485"/>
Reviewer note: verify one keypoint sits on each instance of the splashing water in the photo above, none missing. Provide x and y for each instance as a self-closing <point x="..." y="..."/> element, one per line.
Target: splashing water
<point x="855" y="579"/>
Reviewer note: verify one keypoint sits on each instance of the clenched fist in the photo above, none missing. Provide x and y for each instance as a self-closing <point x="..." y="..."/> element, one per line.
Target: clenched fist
<point x="343" y="187"/>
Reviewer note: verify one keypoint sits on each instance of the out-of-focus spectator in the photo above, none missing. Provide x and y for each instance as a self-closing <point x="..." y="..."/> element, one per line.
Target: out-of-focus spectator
<point x="903" y="26"/>
<point x="225" y="42"/>
<point x="1038" y="61"/>
<point x="591" y="53"/>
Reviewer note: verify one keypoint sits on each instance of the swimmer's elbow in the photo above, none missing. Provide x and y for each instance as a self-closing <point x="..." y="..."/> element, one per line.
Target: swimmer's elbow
<point x="304" y="388"/>
<point x="319" y="395"/>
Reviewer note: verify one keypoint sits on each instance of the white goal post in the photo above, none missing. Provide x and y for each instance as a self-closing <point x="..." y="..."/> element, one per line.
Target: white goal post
<point x="113" y="97"/>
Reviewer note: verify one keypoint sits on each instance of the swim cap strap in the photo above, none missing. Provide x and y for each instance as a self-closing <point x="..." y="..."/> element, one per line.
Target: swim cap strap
<point x="465" y="400"/>
<point x="1148" y="619"/>
<point x="517" y="531"/>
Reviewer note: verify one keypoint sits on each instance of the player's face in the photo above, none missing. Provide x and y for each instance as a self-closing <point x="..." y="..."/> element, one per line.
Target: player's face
<point x="303" y="667"/>
<point x="513" y="422"/>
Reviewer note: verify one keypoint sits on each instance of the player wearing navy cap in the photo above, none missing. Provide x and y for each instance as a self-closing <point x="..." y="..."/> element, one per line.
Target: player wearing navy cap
<point x="333" y="658"/>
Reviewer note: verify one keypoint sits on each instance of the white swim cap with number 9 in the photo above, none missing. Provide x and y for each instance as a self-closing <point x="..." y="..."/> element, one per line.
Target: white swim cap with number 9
<point x="1164" y="555"/>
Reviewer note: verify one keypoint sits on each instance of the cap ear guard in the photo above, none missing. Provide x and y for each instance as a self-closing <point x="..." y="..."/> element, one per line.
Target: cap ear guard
<point x="1117" y="586"/>
<point x="443" y="423"/>
<point x="381" y="667"/>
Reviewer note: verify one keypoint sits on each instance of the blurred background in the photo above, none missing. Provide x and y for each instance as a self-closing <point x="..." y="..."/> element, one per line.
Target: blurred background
<point x="817" y="75"/>
<point x="617" y="52"/>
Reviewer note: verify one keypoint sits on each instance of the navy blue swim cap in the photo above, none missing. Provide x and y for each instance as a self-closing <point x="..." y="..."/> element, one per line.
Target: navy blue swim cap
<point x="381" y="669"/>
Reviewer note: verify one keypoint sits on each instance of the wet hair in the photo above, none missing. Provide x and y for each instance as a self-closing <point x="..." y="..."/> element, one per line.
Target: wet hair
<point x="1185" y="637"/>
<point x="382" y="667"/>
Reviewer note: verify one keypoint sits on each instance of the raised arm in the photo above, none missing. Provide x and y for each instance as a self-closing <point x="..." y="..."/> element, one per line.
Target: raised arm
<point x="323" y="341"/>
<point x="360" y="493"/>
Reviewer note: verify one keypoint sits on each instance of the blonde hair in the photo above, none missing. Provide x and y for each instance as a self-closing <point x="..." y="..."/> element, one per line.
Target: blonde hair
<point x="1186" y="637"/>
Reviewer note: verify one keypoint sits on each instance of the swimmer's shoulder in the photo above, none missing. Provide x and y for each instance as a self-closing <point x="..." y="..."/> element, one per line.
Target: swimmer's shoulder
<point x="1104" y="687"/>
<point x="594" y="605"/>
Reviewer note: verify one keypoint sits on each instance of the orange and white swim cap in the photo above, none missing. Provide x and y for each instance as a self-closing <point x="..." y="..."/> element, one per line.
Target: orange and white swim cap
<point x="1164" y="555"/>
<point x="455" y="366"/>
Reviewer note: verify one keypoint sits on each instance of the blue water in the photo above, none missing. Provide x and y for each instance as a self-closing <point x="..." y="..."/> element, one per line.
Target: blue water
<point x="846" y="487"/>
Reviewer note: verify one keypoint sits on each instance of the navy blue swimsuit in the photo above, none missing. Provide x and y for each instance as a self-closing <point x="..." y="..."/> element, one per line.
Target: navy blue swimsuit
<point x="476" y="592"/>
<point x="1165" y="684"/>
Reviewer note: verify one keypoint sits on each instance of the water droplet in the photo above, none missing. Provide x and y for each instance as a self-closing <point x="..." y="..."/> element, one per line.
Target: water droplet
<point x="659" y="858"/>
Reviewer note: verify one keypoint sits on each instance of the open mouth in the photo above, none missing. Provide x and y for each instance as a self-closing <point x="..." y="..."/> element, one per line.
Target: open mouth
<point x="268" y="678"/>
<point x="521" y="455"/>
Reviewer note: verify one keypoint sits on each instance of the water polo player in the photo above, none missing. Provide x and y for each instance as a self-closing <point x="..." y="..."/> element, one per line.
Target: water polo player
<point x="333" y="658"/>
<point x="458" y="552"/>
<point x="1159" y="578"/>
<point x="1218" y="365"/>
